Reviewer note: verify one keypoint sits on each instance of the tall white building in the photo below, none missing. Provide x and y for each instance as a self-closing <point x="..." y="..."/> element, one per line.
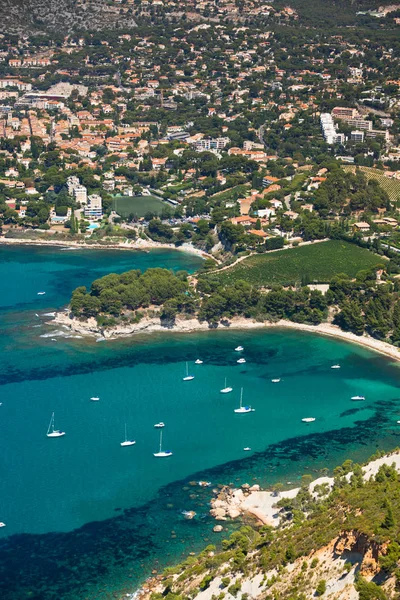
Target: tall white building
<point x="94" y="207"/>
<point x="329" y="132"/>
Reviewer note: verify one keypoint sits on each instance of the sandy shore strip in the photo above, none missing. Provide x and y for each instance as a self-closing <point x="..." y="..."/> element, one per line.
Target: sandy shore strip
<point x="146" y="325"/>
<point x="139" y="244"/>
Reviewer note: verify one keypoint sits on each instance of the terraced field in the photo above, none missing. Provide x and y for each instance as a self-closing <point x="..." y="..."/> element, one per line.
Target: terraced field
<point x="391" y="186"/>
<point x="318" y="262"/>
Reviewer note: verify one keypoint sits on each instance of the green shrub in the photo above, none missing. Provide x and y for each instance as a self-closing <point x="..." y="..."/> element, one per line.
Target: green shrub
<point x="321" y="588"/>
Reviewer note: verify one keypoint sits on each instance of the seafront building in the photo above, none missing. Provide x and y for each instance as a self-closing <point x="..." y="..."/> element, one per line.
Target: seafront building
<point x="94" y="208"/>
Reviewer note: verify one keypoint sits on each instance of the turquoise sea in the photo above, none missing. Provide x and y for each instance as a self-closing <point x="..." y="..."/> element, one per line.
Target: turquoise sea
<point x="86" y="518"/>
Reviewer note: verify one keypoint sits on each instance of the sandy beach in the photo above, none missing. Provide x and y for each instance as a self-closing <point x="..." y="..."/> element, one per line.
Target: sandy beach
<point x="146" y="325"/>
<point x="139" y="244"/>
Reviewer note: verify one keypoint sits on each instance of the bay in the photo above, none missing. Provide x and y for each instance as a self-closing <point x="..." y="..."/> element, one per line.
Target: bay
<point x="87" y="518"/>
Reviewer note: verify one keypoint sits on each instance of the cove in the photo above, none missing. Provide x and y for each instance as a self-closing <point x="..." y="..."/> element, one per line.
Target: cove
<point x="89" y="519"/>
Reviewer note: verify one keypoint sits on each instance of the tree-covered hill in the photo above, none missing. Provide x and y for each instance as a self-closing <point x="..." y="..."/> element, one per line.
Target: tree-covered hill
<point x="34" y="16"/>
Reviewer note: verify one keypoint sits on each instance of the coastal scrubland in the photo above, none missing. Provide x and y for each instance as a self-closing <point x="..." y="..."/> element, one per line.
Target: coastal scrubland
<point x="329" y="543"/>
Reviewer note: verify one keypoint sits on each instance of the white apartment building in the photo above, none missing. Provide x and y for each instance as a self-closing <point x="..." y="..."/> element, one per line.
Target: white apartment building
<point x="329" y="132"/>
<point x="94" y="207"/>
<point x="80" y="194"/>
<point x="211" y="144"/>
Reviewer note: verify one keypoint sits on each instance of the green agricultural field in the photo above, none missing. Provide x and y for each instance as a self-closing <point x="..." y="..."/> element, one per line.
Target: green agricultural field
<point x="138" y="205"/>
<point x="391" y="186"/>
<point x="317" y="263"/>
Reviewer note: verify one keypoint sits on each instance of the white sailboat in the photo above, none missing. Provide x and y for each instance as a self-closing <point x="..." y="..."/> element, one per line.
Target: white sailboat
<point x="198" y="362"/>
<point x="243" y="409"/>
<point x="239" y="349"/>
<point x="161" y="453"/>
<point x="188" y="377"/>
<point x="127" y="442"/>
<point x="358" y="397"/>
<point x="241" y="361"/>
<point x="226" y="389"/>
<point x="308" y="419"/>
<point x="51" y="432"/>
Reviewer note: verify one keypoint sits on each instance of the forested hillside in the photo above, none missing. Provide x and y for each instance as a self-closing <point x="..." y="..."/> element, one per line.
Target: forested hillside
<point x="61" y="15"/>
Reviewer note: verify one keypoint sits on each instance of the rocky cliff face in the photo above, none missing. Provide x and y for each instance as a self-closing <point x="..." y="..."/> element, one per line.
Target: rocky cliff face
<point x="35" y="16"/>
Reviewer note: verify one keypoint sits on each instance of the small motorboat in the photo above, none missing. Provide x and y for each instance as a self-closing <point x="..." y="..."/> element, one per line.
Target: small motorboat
<point x="239" y="349"/>
<point x="335" y="367"/>
<point x="94" y="398"/>
<point x="358" y="397"/>
<point x="41" y="293"/>
<point x="247" y="449"/>
<point x="241" y="361"/>
<point x="2" y="524"/>
<point x="275" y="380"/>
<point x="308" y="419"/>
<point x="198" y="362"/>
<point x="398" y="422"/>
<point x="159" y="425"/>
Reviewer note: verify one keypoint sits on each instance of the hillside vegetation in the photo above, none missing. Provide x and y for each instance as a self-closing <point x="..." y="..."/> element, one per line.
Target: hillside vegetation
<point x="328" y="544"/>
<point x="314" y="263"/>
<point x="60" y="15"/>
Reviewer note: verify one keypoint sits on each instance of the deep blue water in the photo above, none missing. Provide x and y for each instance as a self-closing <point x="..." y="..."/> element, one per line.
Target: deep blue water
<point x="88" y="519"/>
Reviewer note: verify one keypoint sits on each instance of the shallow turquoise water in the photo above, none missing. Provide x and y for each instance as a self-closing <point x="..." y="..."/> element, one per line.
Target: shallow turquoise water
<point x="88" y="518"/>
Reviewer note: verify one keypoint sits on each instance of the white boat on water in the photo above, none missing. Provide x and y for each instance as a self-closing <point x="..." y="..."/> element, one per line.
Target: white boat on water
<point x="2" y="524"/>
<point x="247" y="449"/>
<point x="241" y="361"/>
<point x="358" y="397"/>
<point x="308" y="419"/>
<point x="159" y="425"/>
<point x="51" y="432"/>
<point x="198" y="362"/>
<point x="243" y="409"/>
<point x="94" y="398"/>
<point x="335" y="367"/>
<point x="239" y="349"/>
<point x="127" y="442"/>
<point x="188" y="377"/>
<point x="41" y="293"/>
<point x="226" y="389"/>
<point x="276" y="380"/>
<point x="204" y="483"/>
<point x="161" y="453"/>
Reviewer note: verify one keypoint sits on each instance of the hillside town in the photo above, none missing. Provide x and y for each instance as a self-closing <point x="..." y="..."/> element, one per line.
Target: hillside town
<point x="221" y="133"/>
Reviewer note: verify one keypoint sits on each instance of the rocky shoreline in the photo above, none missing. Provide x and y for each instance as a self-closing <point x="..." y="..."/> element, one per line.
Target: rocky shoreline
<point x="90" y="328"/>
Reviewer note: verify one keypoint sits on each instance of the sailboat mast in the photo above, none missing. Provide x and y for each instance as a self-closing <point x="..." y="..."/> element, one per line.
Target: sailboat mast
<point x="125" y="433"/>
<point x="241" y="397"/>
<point x="160" y="439"/>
